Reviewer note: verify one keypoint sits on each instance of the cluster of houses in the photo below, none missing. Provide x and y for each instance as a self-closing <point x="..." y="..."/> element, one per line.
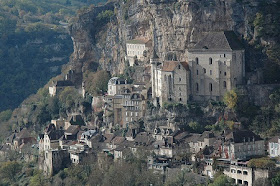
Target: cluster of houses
<point x="165" y="149"/>
<point x="215" y="65"/>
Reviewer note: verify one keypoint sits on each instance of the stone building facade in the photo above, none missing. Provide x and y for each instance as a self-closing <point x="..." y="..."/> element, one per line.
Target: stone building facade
<point x="136" y="49"/>
<point x="115" y="84"/>
<point x="242" y="144"/>
<point x="127" y="102"/>
<point x="170" y="81"/>
<point x="217" y="64"/>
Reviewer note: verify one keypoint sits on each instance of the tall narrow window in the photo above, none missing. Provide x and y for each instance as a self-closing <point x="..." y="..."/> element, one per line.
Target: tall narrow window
<point x="210" y="72"/>
<point x="204" y="70"/>
<point x="180" y="79"/>
<point x="196" y="72"/>
<point x="225" y="84"/>
<point x="179" y="67"/>
<point x="225" y="73"/>
<point x="197" y="87"/>
<point x="210" y="87"/>
<point x="196" y="60"/>
<point x="210" y="61"/>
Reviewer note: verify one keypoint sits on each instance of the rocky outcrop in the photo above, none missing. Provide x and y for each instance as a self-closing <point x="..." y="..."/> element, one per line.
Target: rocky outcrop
<point x="173" y="25"/>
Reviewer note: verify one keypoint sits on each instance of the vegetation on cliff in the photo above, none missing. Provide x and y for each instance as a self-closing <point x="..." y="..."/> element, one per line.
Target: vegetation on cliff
<point x="34" y="45"/>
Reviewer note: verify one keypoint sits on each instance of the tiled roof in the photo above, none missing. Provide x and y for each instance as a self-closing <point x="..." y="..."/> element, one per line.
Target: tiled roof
<point x="63" y="83"/>
<point x="55" y="134"/>
<point x="274" y="139"/>
<point x="138" y="41"/>
<point x="144" y="138"/>
<point x="181" y="136"/>
<point x="108" y="137"/>
<point x="23" y="134"/>
<point x="72" y="129"/>
<point x="118" y="140"/>
<point x="170" y="66"/>
<point x="225" y="40"/>
<point x="238" y="136"/>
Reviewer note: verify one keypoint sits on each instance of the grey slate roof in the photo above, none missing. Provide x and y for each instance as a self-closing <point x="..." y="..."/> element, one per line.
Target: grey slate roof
<point x="222" y="41"/>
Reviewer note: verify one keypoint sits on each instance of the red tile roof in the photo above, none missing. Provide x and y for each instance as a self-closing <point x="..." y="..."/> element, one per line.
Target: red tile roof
<point x="170" y="66"/>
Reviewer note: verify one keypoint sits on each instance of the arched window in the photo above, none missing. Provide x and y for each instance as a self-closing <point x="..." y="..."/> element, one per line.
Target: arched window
<point x="225" y="84"/>
<point x="196" y="72"/>
<point x="196" y="60"/>
<point x="179" y="67"/>
<point x="180" y="79"/>
<point x="197" y="87"/>
<point x="225" y="73"/>
<point x="210" y="61"/>
<point x="210" y="87"/>
<point x="180" y="99"/>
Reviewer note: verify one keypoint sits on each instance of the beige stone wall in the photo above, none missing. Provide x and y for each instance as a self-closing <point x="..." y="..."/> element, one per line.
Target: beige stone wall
<point x="224" y="73"/>
<point x="243" y="150"/>
<point x="239" y="173"/>
<point x="135" y="50"/>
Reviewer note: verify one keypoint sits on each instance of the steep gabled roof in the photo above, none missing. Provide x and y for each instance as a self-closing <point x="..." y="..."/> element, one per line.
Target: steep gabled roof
<point x="222" y="41"/>
<point x="239" y="136"/>
<point x="169" y="66"/>
<point x="23" y="134"/>
<point x="72" y="130"/>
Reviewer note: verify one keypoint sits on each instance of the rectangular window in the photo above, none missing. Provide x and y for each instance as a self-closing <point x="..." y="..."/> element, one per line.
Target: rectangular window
<point x="210" y="72"/>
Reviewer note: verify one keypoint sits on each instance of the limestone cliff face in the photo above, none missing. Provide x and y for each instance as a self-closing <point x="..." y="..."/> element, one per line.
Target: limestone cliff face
<point x="173" y="25"/>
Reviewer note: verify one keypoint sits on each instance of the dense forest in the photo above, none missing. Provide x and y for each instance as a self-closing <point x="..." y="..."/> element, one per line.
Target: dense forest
<point x="34" y="44"/>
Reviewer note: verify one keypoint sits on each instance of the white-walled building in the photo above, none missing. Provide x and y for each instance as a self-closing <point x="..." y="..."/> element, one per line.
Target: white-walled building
<point x="136" y="49"/>
<point x="217" y="65"/>
<point x="274" y="147"/>
<point x="115" y="84"/>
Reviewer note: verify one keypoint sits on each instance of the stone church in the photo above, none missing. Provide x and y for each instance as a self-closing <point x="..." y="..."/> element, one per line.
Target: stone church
<point x="216" y="64"/>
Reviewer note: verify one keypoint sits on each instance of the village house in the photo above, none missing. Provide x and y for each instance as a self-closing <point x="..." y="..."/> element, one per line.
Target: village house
<point x="78" y="152"/>
<point x="54" y="160"/>
<point x="20" y="140"/>
<point x="241" y="144"/>
<point x="126" y="102"/>
<point x="244" y="175"/>
<point x="50" y="139"/>
<point x="274" y="147"/>
<point x="137" y="49"/>
<point x="157" y="165"/>
<point x="217" y="65"/>
<point x="58" y="86"/>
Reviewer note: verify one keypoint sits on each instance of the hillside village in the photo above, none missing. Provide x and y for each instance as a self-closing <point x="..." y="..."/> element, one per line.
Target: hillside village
<point x="214" y="66"/>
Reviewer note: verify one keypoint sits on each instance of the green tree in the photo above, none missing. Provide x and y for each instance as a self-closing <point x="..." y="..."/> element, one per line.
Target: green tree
<point x="9" y="170"/>
<point x="38" y="179"/>
<point x="195" y="126"/>
<point x="222" y="180"/>
<point x="275" y="181"/>
<point x="231" y="98"/>
<point x="5" y="115"/>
